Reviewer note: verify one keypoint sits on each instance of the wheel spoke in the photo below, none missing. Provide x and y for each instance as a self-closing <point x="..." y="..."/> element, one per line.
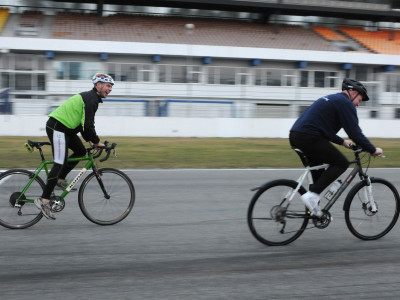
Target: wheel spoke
<point x="16" y="211"/>
<point x="271" y="220"/>
<point x="366" y="224"/>
<point x="116" y="206"/>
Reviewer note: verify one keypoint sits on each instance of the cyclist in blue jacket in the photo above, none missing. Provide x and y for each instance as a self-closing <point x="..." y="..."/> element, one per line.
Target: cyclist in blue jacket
<point x="316" y="129"/>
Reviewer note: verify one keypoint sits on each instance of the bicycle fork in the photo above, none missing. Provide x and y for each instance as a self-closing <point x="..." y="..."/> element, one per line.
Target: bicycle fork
<point x="80" y="174"/>
<point x="369" y="197"/>
<point x="98" y="177"/>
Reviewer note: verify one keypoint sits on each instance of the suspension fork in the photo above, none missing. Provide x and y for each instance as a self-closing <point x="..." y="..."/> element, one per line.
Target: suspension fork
<point x="368" y="195"/>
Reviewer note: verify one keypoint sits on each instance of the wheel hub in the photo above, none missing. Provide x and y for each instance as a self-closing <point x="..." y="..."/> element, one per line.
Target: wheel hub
<point x="14" y="198"/>
<point x="368" y="209"/>
<point x="278" y="213"/>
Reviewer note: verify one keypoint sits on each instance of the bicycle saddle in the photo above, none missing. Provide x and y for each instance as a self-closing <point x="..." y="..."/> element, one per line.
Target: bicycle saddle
<point x="303" y="157"/>
<point x="37" y="144"/>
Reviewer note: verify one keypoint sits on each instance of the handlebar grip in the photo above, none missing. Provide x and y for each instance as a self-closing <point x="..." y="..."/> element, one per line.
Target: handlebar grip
<point x="354" y="147"/>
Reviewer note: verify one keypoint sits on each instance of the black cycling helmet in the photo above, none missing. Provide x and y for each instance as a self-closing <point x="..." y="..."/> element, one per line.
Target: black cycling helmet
<point x="350" y="84"/>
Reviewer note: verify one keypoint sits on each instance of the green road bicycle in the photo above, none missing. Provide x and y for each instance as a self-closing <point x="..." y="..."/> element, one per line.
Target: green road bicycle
<point x="106" y="196"/>
<point x="276" y="215"/>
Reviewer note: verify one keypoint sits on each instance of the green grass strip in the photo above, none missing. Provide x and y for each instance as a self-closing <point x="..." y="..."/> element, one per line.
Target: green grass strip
<point x="149" y="153"/>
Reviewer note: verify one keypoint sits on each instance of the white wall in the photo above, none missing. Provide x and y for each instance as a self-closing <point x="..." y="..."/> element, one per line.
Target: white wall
<point x="106" y="126"/>
<point x="74" y="46"/>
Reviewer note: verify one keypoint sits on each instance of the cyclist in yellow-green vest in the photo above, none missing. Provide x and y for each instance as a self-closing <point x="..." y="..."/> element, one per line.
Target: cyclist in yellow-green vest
<point x="75" y="115"/>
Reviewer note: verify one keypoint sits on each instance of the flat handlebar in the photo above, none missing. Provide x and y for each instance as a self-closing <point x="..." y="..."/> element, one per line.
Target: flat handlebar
<point x="355" y="148"/>
<point x="358" y="149"/>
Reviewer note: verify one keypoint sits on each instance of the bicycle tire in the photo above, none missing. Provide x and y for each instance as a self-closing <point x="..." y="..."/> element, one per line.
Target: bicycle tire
<point x="365" y="224"/>
<point x="96" y="207"/>
<point x="12" y="183"/>
<point x="269" y="223"/>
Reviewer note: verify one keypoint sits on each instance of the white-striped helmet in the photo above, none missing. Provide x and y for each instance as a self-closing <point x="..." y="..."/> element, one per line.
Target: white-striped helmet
<point x="101" y="77"/>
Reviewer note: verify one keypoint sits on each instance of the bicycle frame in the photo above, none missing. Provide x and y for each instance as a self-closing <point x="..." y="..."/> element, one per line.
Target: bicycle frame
<point x="43" y="166"/>
<point x="356" y="170"/>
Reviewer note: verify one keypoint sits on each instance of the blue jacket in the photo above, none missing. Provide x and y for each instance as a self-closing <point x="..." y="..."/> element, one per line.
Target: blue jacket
<point x="326" y="116"/>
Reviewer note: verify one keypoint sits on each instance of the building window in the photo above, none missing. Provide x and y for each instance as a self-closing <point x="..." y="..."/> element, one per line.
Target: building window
<point x="288" y="78"/>
<point x="325" y="79"/>
<point x="23" y="62"/>
<point x="260" y="77"/>
<point x="319" y="79"/>
<point x="41" y="82"/>
<point x="304" y="75"/>
<point x="5" y="80"/>
<point x="392" y="83"/>
<point x="274" y="77"/>
<point x="332" y="79"/>
<point x="227" y="75"/>
<point x="128" y="72"/>
<point x="23" y="82"/>
<point x="163" y="73"/>
<point x="213" y="75"/>
<point x="75" y="70"/>
<point x="145" y="73"/>
<point x="194" y="73"/>
<point x="178" y="74"/>
<point x="361" y="73"/>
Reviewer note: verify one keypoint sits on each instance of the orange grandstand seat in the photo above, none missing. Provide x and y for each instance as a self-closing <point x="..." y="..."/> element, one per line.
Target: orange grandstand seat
<point x="4" y="13"/>
<point x="380" y="41"/>
<point x="328" y="33"/>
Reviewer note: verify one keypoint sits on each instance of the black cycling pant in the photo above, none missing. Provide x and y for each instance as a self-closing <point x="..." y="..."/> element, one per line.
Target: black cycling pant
<point x="320" y="151"/>
<point x="61" y="139"/>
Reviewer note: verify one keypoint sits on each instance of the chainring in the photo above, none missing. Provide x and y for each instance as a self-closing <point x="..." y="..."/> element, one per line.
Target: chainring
<point x="323" y="221"/>
<point x="57" y="204"/>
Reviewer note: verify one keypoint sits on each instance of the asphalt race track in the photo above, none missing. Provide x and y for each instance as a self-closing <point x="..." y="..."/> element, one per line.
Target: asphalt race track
<point x="187" y="238"/>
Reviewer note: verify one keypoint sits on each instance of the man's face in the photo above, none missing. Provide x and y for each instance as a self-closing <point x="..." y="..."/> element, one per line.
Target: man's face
<point x="104" y="88"/>
<point x="357" y="100"/>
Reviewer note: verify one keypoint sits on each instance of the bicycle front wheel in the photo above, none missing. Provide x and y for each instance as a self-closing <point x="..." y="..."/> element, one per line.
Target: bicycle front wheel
<point x="17" y="210"/>
<point x="361" y="220"/>
<point x="272" y="219"/>
<point x="108" y="198"/>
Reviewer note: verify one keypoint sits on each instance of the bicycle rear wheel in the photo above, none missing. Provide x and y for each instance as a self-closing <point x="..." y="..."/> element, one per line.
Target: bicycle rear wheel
<point x="17" y="210"/>
<point x="272" y="219"/>
<point x="108" y="206"/>
<point x="361" y="221"/>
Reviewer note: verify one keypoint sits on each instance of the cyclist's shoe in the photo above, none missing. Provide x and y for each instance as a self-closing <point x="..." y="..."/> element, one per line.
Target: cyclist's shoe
<point x="45" y="208"/>
<point x="62" y="185"/>
<point x="311" y="200"/>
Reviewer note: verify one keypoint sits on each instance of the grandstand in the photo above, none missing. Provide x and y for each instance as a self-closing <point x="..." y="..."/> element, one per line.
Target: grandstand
<point x="241" y="65"/>
<point x="171" y="30"/>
